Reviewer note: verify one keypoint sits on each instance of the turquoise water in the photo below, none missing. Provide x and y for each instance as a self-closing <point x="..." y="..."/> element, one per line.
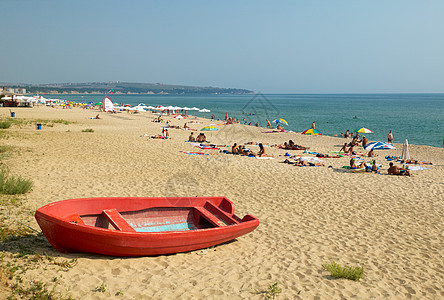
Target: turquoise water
<point x="416" y="117"/>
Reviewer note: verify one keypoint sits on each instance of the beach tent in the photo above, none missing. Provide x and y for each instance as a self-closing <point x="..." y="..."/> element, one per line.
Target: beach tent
<point x="405" y="151"/>
<point x="312" y="132"/>
<point x="107" y="105"/>
<point x="379" y="146"/>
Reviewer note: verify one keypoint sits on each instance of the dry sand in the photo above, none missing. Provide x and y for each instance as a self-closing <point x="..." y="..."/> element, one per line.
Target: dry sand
<point x="391" y="225"/>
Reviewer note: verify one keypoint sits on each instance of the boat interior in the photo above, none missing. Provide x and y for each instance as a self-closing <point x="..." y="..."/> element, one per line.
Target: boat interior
<point x="159" y="219"/>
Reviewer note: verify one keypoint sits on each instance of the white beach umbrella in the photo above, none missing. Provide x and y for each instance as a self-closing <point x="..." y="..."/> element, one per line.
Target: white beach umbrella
<point x="405" y="151"/>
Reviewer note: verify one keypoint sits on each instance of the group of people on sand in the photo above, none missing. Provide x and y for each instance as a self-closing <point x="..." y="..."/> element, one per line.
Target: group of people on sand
<point x="290" y="146"/>
<point x="201" y="138"/>
<point x="349" y="148"/>
<point x="242" y="150"/>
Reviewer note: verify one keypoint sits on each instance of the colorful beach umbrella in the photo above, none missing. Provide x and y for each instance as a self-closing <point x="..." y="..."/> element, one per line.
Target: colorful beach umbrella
<point x="379" y="146"/>
<point x="363" y="130"/>
<point x="98" y="103"/>
<point x="312" y="132"/>
<point x="280" y="121"/>
<point x="209" y="128"/>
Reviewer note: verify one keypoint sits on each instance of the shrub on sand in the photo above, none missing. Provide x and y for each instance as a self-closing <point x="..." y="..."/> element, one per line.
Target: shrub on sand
<point x="88" y="130"/>
<point x="11" y="185"/>
<point x="5" y="124"/>
<point x="347" y="272"/>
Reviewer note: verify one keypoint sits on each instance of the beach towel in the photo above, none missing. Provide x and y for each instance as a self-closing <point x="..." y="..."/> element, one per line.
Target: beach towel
<point x="195" y="153"/>
<point x="417" y="168"/>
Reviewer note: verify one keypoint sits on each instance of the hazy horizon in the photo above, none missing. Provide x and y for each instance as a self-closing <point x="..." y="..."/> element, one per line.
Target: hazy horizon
<point x="284" y="47"/>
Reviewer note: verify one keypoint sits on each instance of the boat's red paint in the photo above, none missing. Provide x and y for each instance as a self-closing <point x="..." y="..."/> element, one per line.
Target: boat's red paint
<point x="65" y="224"/>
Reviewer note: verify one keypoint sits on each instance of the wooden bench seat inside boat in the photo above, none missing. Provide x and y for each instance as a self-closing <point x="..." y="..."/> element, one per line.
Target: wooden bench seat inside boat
<point x="117" y="221"/>
<point x="215" y="215"/>
<point x="75" y="218"/>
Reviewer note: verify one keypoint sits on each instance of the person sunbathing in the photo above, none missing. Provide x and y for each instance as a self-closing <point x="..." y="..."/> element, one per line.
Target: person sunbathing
<point x="371" y="153"/>
<point x="191" y="138"/>
<point x="261" y="152"/>
<point x="344" y="148"/>
<point x="234" y="149"/>
<point x="415" y="162"/>
<point x="201" y="138"/>
<point x="354" y="166"/>
<point x="302" y="163"/>
<point x="351" y="149"/>
<point x="245" y="151"/>
<point x="375" y="167"/>
<point x="395" y="170"/>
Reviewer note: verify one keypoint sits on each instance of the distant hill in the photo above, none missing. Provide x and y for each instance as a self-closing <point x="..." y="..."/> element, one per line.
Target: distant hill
<point x="124" y="88"/>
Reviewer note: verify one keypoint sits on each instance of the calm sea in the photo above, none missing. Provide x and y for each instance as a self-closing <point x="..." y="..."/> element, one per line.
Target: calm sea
<point x="416" y="117"/>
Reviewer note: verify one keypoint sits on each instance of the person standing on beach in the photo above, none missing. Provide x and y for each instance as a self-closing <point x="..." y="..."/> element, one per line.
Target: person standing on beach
<point x="313" y="125"/>
<point x="269" y="126"/>
<point x="390" y="137"/>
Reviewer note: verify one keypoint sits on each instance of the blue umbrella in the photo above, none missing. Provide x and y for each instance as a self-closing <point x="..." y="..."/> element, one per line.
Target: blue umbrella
<point x="379" y="146"/>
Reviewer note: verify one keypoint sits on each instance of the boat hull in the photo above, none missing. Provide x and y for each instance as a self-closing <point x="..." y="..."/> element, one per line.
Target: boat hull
<point x="71" y="234"/>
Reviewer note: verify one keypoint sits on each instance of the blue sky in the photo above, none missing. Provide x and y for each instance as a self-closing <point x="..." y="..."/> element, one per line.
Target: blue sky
<point x="310" y="46"/>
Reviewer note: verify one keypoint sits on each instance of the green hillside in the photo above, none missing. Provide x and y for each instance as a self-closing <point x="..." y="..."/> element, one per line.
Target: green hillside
<point x="125" y="88"/>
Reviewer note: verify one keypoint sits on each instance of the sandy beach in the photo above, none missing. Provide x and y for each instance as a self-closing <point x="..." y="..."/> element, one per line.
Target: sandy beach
<point x="391" y="225"/>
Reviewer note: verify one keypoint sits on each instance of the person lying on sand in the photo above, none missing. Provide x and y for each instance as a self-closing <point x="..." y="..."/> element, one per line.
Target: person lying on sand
<point x="244" y="151"/>
<point x="395" y="170"/>
<point x="302" y="163"/>
<point x="158" y="136"/>
<point x="415" y="162"/>
<point x="290" y="146"/>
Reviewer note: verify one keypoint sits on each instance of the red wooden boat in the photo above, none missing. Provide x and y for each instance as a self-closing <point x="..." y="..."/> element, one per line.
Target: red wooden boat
<point x="141" y="226"/>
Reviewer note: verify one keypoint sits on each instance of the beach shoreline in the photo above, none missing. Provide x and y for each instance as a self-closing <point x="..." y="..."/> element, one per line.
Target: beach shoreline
<point x="391" y="225"/>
